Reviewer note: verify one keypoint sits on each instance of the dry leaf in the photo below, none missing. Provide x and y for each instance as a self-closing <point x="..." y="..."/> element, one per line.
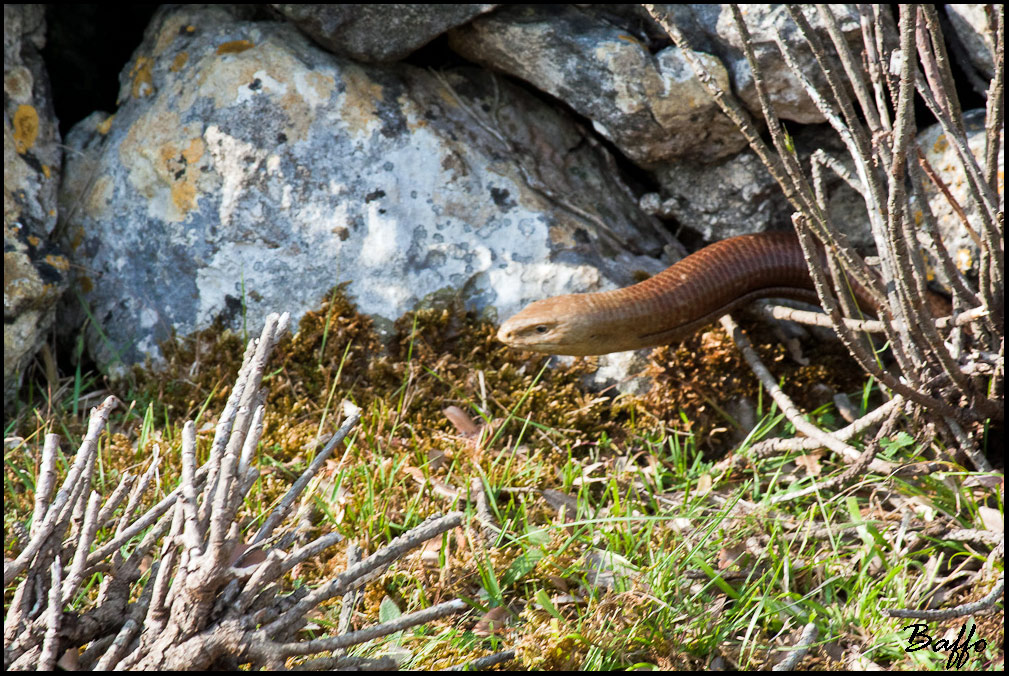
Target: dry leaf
<point x="859" y="662"/>
<point x="444" y="490"/>
<point x="606" y="569"/>
<point x="566" y="599"/>
<point x="985" y="481"/>
<point x="728" y="556"/>
<point x="417" y="474"/>
<point x="586" y="472"/>
<point x="558" y="582"/>
<point x="559" y="501"/>
<point x="493" y="622"/>
<point x="436" y="459"/>
<point x="461" y="420"/>
<point x="430" y="554"/>
<point x="811" y="463"/>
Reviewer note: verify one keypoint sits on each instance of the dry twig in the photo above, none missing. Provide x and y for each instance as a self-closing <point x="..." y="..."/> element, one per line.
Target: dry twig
<point x="936" y="368"/>
<point x="196" y="609"/>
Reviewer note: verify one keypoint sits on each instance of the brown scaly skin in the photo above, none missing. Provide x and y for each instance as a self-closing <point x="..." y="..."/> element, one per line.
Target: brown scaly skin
<point x="671" y="305"/>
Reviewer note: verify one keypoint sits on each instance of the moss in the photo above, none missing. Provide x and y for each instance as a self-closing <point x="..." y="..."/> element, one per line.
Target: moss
<point x="705" y="373"/>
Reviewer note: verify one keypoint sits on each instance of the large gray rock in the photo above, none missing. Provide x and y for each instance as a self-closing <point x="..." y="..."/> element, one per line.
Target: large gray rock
<point x="247" y="172"/>
<point x="34" y="270"/>
<point x="714" y="30"/>
<point x="377" y="33"/>
<point x="649" y="105"/>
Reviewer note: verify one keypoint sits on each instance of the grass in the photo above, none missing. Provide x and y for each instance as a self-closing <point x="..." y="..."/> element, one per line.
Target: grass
<point x="618" y="540"/>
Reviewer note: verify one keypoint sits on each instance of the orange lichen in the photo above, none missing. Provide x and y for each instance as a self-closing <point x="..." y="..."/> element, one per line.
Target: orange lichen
<point x="235" y="47"/>
<point x="26" y="128"/>
<point x="105" y="125"/>
<point x="179" y="62"/>
<point x="142" y="78"/>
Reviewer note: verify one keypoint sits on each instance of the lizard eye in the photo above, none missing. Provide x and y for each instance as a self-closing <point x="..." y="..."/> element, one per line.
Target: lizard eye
<point x="542" y="328"/>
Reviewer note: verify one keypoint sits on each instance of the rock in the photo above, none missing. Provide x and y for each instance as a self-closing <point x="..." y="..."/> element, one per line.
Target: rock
<point x="34" y="270"/>
<point x="848" y="212"/>
<point x="714" y="30"/>
<point x="248" y="171"/>
<point x="649" y="105"/>
<point x="377" y="33"/>
<point x="945" y="161"/>
<point x="738" y="196"/>
<point x="733" y="197"/>
<point x="971" y="27"/>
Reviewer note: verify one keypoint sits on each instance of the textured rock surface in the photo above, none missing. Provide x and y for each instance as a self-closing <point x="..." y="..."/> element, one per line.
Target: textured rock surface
<point x="943" y="158"/>
<point x="247" y="171"/>
<point x="650" y="105"/>
<point x="971" y="26"/>
<point x="377" y="33"/>
<point x="34" y="271"/>
<point x="714" y="31"/>
<point x="848" y="212"/>
<point x="733" y="197"/>
<point x="738" y="195"/>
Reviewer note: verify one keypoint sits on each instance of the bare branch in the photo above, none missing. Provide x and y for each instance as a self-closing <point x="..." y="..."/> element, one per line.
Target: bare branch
<point x="799" y="651"/>
<point x="80" y="472"/>
<point x="354" y="415"/>
<point x="50" y="645"/>
<point x="959" y="611"/>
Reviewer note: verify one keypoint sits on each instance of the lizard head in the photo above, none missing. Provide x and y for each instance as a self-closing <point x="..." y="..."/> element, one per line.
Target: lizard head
<point x="569" y="325"/>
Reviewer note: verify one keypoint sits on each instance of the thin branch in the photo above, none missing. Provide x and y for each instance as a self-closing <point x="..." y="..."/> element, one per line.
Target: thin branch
<point x="281" y="510"/>
<point x="867" y="363"/>
<point x="854" y="71"/>
<point x="118" y="647"/>
<point x="485" y="662"/>
<point x="345" y="663"/>
<point x="80" y="470"/>
<point x="356" y="575"/>
<point x="872" y="57"/>
<point x="969" y="447"/>
<point x="985" y="603"/>
<point x="856" y="470"/>
<point x="46" y="480"/>
<point x="116" y="498"/>
<point x="799" y="650"/>
<point x="157" y="610"/>
<point x="851" y="131"/>
<point x="355" y="637"/>
<point x="140" y="525"/>
<point x="725" y="101"/>
<point x="932" y="54"/>
<point x="792" y="413"/>
<point x="87" y="538"/>
<point x="51" y="642"/>
<point x="222" y="433"/>
<point x="138" y="491"/>
<point x="193" y="534"/>
<point x="995" y="106"/>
